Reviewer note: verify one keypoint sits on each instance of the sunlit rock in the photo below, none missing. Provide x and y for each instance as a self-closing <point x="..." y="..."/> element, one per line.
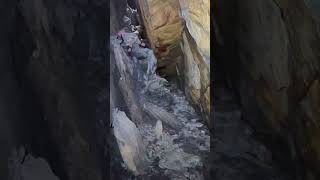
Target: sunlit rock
<point x="130" y="143"/>
<point x="196" y="14"/>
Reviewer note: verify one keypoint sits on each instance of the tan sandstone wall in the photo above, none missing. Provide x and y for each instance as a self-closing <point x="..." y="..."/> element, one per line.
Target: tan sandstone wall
<point x="178" y="31"/>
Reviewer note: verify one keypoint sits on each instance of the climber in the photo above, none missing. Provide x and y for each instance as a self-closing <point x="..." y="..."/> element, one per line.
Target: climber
<point x="130" y="41"/>
<point x="119" y="35"/>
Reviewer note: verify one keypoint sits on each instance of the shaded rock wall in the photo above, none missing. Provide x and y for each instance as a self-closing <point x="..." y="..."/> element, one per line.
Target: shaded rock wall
<point x="270" y="50"/>
<point x="9" y="92"/>
<point x="66" y="72"/>
<point x="179" y="33"/>
<point x="54" y="56"/>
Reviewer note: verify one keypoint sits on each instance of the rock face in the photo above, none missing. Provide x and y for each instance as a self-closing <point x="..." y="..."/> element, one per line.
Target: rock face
<point x="130" y="142"/>
<point x="163" y="26"/>
<point x="196" y="15"/>
<point x="179" y="32"/>
<point x="270" y="50"/>
<point x="31" y="169"/>
<point x="54" y="76"/>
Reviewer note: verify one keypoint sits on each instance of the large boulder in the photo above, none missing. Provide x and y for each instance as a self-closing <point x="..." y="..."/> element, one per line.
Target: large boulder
<point x="130" y="142"/>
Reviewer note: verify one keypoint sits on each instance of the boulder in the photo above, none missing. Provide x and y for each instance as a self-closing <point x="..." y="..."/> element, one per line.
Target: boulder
<point x="130" y="142"/>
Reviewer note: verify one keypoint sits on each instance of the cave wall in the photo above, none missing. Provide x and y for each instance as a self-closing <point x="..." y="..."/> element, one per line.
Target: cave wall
<point x="179" y="33"/>
<point x="270" y="49"/>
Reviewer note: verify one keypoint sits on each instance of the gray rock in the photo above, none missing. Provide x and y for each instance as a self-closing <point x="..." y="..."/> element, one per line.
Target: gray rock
<point x="130" y="142"/>
<point x="31" y="169"/>
<point x="161" y="114"/>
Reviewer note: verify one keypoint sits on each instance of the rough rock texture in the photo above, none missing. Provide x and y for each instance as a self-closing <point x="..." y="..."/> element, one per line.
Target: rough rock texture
<point x="31" y="169"/>
<point x="55" y="74"/>
<point x="235" y="152"/>
<point x="196" y="15"/>
<point x="180" y="151"/>
<point x="270" y="49"/>
<point x="130" y="142"/>
<point x="179" y="33"/>
<point x="163" y="26"/>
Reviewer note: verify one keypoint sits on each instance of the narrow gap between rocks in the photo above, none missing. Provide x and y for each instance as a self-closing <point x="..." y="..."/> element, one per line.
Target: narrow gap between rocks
<point x="168" y="138"/>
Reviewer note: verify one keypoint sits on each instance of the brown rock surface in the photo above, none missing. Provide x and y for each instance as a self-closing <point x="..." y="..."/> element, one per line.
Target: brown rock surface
<point x="179" y="33"/>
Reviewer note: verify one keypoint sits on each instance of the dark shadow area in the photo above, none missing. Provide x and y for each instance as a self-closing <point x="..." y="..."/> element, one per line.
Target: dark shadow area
<point x="54" y="99"/>
<point x="258" y="59"/>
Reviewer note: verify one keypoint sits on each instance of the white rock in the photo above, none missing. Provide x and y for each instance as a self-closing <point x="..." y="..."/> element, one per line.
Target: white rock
<point x="158" y="129"/>
<point x="130" y="142"/>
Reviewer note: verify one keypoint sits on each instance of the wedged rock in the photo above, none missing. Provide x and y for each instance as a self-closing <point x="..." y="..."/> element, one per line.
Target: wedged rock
<point x="161" y="114"/>
<point x="130" y="142"/>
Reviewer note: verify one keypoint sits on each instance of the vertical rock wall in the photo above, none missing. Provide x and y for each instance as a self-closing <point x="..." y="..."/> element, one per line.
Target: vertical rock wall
<point x="163" y="26"/>
<point x="179" y="34"/>
<point x="55" y="51"/>
<point x="9" y="91"/>
<point x="271" y="52"/>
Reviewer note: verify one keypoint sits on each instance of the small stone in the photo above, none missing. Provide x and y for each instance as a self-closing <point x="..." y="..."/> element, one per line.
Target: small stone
<point x="158" y="129"/>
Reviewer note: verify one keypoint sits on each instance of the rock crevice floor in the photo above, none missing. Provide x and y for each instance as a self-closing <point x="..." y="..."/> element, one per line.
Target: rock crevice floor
<point x="175" y="137"/>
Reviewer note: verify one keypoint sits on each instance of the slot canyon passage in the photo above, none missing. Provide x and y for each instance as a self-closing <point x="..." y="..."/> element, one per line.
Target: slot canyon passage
<point x="159" y="131"/>
<point x="54" y="99"/>
<point x="265" y="89"/>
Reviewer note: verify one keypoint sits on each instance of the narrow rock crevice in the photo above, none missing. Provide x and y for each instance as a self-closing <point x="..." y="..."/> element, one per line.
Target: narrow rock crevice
<point x="159" y="117"/>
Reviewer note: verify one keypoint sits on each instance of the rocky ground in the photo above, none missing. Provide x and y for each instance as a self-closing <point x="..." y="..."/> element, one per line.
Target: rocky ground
<point x="173" y="136"/>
